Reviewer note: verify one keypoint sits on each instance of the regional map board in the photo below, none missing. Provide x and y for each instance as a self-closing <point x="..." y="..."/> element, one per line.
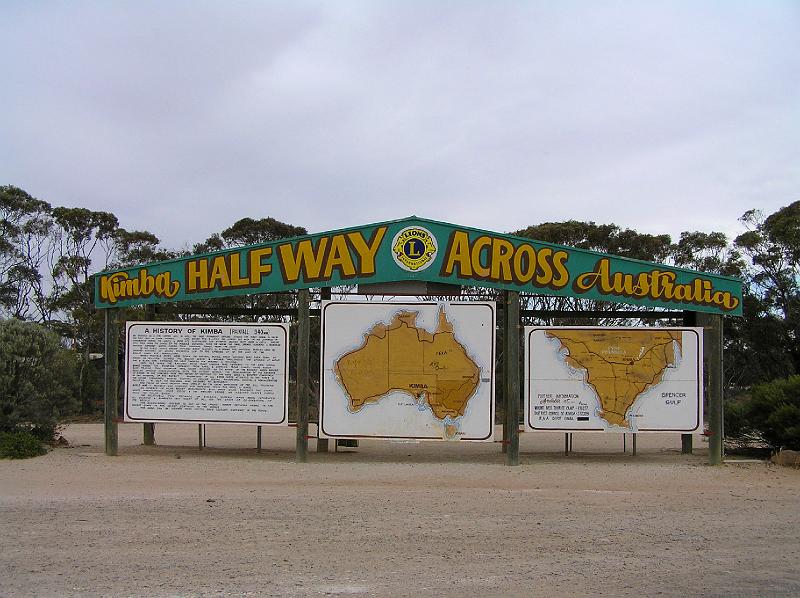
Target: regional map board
<point x="206" y="373"/>
<point x="614" y="379"/>
<point x="417" y="371"/>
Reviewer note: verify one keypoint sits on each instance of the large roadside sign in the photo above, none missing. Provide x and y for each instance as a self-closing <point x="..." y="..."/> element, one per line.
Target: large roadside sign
<point x="420" y="250"/>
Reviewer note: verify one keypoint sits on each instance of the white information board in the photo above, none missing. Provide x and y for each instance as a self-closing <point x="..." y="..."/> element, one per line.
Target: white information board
<point x="614" y="379"/>
<point x="207" y="373"/>
<point x="411" y="370"/>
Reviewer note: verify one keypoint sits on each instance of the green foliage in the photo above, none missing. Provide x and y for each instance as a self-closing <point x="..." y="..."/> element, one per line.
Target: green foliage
<point x="762" y="345"/>
<point x="736" y="421"/>
<point x="771" y="412"/>
<point x="606" y="238"/>
<point x="774" y="410"/>
<point x="757" y="346"/>
<point x="707" y="252"/>
<point x="38" y="378"/>
<point x="138" y="247"/>
<point x="25" y="229"/>
<point x="20" y="445"/>
<point x="248" y="231"/>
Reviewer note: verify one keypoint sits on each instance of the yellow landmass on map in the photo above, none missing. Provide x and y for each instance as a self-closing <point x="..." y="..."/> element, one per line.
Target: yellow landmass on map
<point x="620" y="364"/>
<point x="400" y="356"/>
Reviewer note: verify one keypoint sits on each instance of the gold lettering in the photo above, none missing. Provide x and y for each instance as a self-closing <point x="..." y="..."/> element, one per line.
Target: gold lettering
<point x="107" y="287"/>
<point x="339" y="257"/>
<point x="165" y="286"/>
<point x="525" y="263"/>
<point x="258" y="268"/>
<point x="589" y="280"/>
<point x="196" y="275"/>
<point x="730" y="302"/>
<point x="131" y="287"/>
<point x="479" y="245"/>
<point x="219" y="273"/>
<point x="559" y="262"/>
<point x="545" y="275"/>
<point x="236" y="271"/>
<point x="502" y="252"/>
<point x="683" y="292"/>
<point x="305" y="259"/>
<point x="367" y="251"/>
<point x="458" y="255"/>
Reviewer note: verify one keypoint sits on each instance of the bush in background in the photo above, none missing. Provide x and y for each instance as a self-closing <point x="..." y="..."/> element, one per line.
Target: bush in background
<point x="38" y="380"/>
<point x="774" y="410"/>
<point x="771" y="413"/>
<point x="20" y="445"/>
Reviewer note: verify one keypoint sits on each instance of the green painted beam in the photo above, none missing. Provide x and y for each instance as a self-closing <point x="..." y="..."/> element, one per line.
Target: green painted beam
<point x="416" y="249"/>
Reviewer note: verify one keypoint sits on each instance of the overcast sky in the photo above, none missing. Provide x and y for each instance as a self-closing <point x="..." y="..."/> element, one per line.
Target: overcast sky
<point x="182" y="117"/>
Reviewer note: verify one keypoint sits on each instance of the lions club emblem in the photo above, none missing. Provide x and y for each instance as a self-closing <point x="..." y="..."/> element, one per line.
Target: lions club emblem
<point x="414" y="248"/>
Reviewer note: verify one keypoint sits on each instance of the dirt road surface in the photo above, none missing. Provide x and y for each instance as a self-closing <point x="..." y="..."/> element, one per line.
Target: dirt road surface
<point x="390" y="519"/>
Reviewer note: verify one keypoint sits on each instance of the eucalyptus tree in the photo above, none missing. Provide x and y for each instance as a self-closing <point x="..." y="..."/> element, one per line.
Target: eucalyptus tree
<point x="764" y="343"/>
<point x="249" y="231"/>
<point x="26" y="255"/>
<point x="603" y="238"/>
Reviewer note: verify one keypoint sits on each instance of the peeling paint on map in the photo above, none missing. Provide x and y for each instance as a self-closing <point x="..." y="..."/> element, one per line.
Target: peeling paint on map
<point x="419" y="370"/>
<point x="614" y="379"/>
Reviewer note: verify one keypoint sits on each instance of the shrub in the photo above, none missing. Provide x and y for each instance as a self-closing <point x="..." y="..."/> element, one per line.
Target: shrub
<point x="736" y="423"/>
<point x="20" y="445"/>
<point x="38" y="379"/>
<point x="772" y="412"/>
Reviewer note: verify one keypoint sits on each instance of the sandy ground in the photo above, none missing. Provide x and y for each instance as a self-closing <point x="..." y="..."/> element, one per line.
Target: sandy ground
<point x="393" y="519"/>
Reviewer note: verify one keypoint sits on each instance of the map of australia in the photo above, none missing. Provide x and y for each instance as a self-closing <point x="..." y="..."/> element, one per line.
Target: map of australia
<point x="619" y="366"/>
<point x="433" y="368"/>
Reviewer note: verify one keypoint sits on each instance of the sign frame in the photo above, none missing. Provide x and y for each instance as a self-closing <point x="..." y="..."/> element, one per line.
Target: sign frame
<point x="326" y="305"/>
<point x="528" y="394"/>
<point x="284" y="373"/>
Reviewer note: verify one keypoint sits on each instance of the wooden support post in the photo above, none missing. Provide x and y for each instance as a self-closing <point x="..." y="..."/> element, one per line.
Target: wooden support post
<point x="200" y="442"/>
<point x="570" y="442"/>
<point x="149" y="433"/>
<point x="511" y="370"/>
<point x="713" y="345"/>
<point x="624" y="442"/>
<point x="258" y="439"/>
<point x="322" y="443"/>
<point x="303" y="327"/>
<point x="111" y="381"/>
<point x="689" y="319"/>
<point x="501" y="311"/>
<point x="566" y="444"/>
<point x="686" y="444"/>
<point x="149" y="428"/>
<point x="634" y="444"/>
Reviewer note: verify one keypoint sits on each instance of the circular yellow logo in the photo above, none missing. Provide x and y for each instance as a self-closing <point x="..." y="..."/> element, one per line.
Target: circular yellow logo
<point x="414" y="248"/>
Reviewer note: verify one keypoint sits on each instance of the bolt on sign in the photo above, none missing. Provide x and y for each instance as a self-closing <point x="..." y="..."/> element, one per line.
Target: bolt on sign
<point x="422" y="250"/>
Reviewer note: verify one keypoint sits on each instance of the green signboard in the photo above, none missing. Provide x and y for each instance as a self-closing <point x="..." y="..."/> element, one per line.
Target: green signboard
<point x="422" y="250"/>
